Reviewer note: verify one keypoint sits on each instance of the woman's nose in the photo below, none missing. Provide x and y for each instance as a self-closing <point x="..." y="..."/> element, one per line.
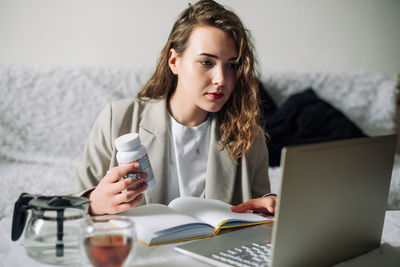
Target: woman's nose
<point x="219" y="76"/>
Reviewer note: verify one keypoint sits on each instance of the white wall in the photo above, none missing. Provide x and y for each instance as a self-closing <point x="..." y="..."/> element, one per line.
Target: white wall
<point x="338" y="35"/>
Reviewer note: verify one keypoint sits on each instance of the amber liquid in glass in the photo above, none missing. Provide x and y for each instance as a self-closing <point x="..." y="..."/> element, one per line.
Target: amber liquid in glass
<point x="108" y="250"/>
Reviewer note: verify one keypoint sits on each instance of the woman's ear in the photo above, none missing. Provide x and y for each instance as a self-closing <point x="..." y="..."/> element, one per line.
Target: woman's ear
<point x="172" y="59"/>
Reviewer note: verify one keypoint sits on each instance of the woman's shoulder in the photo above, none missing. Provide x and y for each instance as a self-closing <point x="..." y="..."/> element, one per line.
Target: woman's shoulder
<point x="125" y="115"/>
<point x="259" y="134"/>
<point x="127" y="102"/>
<point x="134" y="109"/>
<point x="130" y="104"/>
<point x="259" y="142"/>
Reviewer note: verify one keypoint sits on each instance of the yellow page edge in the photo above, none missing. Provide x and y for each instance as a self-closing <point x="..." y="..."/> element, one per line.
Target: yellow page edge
<point x="221" y="225"/>
<point x="172" y="241"/>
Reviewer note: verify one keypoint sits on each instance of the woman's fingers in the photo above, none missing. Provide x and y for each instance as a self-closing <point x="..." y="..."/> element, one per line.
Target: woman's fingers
<point x="102" y="198"/>
<point x="131" y="204"/>
<point x="263" y="204"/>
<point x="271" y="203"/>
<point x="117" y="172"/>
<point x="130" y="194"/>
<point x="111" y="204"/>
<point x="248" y="205"/>
<point x="127" y="183"/>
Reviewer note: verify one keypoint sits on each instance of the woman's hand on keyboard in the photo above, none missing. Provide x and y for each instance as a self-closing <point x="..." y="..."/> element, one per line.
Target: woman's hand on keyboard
<point x="262" y="204"/>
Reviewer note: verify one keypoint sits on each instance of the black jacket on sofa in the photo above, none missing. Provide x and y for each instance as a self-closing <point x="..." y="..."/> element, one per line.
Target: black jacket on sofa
<point x="303" y="118"/>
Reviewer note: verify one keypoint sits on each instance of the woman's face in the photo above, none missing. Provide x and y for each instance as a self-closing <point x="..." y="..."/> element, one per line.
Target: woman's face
<point x="205" y="70"/>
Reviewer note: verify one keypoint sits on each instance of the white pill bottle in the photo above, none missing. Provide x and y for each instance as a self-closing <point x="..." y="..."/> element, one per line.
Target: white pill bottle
<point x="130" y="149"/>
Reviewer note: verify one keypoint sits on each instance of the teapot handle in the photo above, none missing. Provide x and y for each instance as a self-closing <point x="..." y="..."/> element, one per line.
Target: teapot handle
<point x="20" y="215"/>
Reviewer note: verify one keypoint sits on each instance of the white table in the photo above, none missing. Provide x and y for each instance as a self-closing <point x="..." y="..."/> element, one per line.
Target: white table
<point x="13" y="253"/>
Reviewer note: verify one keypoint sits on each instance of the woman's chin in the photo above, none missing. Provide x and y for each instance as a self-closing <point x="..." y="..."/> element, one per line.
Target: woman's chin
<point x="214" y="105"/>
<point x="213" y="108"/>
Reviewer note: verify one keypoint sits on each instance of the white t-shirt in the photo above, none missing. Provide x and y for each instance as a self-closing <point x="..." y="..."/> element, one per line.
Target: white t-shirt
<point x="189" y="148"/>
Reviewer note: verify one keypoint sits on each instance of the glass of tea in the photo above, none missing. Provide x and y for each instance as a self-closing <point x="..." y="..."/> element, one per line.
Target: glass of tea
<point x="108" y="240"/>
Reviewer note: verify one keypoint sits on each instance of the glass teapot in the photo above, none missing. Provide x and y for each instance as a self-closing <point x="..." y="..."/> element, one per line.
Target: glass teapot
<point x="52" y="234"/>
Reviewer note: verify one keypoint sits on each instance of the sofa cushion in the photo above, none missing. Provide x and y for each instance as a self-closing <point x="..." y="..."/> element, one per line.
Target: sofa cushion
<point x="47" y="112"/>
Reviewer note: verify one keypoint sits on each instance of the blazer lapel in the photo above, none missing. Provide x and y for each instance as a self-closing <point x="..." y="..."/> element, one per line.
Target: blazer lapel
<point x="221" y="170"/>
<point x="153" y="131"/>
<point x="154" y="135"/>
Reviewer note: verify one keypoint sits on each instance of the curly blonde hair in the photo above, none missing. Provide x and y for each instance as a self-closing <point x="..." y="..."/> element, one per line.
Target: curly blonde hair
<point x="239" y="118"/>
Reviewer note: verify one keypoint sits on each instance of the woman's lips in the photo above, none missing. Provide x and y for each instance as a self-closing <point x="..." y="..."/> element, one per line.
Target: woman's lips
<point x="215" y="95"/>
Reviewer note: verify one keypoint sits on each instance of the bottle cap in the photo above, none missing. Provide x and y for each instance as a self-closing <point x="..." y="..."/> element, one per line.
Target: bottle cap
<point x="127" y="142"/>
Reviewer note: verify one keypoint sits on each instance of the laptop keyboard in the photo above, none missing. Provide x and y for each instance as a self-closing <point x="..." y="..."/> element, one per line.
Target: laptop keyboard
<point x="256" y="254"/>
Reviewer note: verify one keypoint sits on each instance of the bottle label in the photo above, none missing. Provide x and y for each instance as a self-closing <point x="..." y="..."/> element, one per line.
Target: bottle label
<point x="145" y="166"/>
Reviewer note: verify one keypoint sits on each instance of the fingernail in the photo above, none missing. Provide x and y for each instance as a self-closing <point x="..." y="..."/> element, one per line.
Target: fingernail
<point x="136" y="164"/>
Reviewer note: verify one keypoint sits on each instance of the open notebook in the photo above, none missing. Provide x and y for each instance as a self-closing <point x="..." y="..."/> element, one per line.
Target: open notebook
<point x="187" y="218"/>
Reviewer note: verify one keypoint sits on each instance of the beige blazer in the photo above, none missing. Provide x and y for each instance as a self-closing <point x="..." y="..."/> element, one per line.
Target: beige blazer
<point x="225" y="180"/>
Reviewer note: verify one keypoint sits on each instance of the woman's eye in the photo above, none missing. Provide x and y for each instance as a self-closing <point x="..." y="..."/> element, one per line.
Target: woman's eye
<point x="232" y="65"/>
<point x="206" y="62"/>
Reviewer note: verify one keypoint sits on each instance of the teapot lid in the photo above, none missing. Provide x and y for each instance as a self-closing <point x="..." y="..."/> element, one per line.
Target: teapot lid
<point x="57" y="202"/>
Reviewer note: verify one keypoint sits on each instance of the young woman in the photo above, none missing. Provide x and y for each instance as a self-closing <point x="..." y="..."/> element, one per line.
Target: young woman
<point x="198" y="118"/>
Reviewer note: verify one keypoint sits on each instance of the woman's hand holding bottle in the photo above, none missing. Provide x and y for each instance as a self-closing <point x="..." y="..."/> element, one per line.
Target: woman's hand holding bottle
<point x="110" y="197"/>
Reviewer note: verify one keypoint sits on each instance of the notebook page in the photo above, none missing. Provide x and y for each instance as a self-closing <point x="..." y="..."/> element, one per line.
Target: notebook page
<point x="157" y="218"/>
<point x="211" y="211"/>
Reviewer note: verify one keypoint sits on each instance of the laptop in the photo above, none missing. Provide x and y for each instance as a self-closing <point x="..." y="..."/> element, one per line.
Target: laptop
<point x="330" y="208"/>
